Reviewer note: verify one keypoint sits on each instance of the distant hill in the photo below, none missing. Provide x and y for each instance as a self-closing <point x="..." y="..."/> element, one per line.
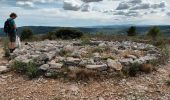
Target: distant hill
<point x="112" y="29"/>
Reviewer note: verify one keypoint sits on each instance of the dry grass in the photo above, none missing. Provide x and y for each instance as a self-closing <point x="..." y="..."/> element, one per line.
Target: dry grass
<point x="130" y="52"/>
<point x="81" y="74"/>
<point x="147" y="68"/>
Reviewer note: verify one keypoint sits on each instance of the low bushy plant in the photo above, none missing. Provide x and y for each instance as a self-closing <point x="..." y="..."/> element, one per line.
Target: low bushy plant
<point x="26" y="34"/>
<point x="154" y="32"/>
<point x="85" y="40"/>
<point x="20" y="67"/>
<point x="165" y="54"/>
<point x="30" y="69"/>
<point x="134" y="69"/>
<point x="51" y="36"/>
<point x="5" y="47"/>
<point x="168" y="82"/>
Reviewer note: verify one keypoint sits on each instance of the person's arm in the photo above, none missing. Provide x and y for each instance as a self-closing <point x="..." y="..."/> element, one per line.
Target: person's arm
<point x="15" y="27"/>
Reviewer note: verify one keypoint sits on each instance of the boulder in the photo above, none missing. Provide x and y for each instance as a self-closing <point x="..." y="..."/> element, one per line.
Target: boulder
<point x="144" y="59"/>
<point x="96" y="55"/>
<point x="56" y="65"/>
<point x="126" y="61"/>
<point x="102" y="45"/>
<point x="41" y="59"/>
<point x="70" y="61"/>
<point x="98" y="67"/>
<point x="51" y="55"/>
<point x="114" y="64"/>
<point x="3" y="69"/>
<point x="68" y="48"/>
<point x="132" y="56"/>
<point x="153" y="51"/>
<point x="44" y="67"/>
<point x="59" y="59"/>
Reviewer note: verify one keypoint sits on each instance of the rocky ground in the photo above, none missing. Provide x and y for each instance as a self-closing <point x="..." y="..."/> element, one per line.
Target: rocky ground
<point x="102" y="56"/>
<point x="143" y="87"/>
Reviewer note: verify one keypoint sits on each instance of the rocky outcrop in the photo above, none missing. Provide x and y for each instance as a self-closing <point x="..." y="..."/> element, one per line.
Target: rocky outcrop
<point x="97" y="55"/>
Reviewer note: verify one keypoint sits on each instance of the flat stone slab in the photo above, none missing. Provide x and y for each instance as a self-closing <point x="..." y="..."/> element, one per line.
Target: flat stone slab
<point x="3" y="69"/>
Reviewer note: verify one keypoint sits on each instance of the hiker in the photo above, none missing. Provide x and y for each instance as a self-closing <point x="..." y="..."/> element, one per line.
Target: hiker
<point x="10" y="29"/>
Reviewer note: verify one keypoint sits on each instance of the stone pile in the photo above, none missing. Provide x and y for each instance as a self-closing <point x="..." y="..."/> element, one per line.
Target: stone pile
<point x="97" y="55"/>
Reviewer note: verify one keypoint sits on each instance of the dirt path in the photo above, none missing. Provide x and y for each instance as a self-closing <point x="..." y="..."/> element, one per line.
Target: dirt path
<point x="144" y="87"/>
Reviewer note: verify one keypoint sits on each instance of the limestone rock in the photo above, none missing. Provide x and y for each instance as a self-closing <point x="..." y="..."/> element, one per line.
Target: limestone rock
<point x="44" y="67"/>
<point x="56" y="65"/>
<point x="126" y="61"/>
<point x="132" y="56"/>
<point x="102" y="45"/>
<point x="68" y="48"/>
<point x="102" y="66"/>
<point x="70" y="61"/>
<point x="3" y="69"/>
<point x="114" y="64"/>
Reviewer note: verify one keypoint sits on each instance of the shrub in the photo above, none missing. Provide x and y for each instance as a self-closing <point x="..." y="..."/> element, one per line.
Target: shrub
<point x="134" y="69"/>
<point x="154" y="32"/>
<point x="30" y="69"/>
<point x="57" y="98"/>
<point x="68" y="33"/>
<point x="97" y="49"/>
<point x="51" y="36"/>
<point x="81" y="74"/>
<point x="5" y="47"/>
<point x="147" y="68"/>
<point x="20" y="67"/>
<point x="85" y="40"/>
<point x="165" y="54"/>
<point x="64" y="33"/>
<point x="159" y="42"/>
<point x="131" y="31"/>
<point x="168" y="82"/>
<point x="26" y="33"/>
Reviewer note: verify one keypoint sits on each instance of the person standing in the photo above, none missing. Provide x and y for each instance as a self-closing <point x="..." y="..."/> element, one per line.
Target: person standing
<point x="10" y="29"/>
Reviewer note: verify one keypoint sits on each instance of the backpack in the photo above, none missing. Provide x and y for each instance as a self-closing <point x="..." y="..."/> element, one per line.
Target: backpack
<point x="7" y="26"/>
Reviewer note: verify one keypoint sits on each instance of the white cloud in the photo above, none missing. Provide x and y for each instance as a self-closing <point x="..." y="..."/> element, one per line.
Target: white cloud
<point x="25" y="3"/>
<point x="90" y="11"/>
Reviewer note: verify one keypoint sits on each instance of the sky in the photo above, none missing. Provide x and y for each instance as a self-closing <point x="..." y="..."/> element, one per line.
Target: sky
<point x="74" y="13"/>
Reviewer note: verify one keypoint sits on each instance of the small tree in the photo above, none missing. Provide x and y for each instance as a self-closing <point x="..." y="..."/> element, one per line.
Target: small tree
<point x="154" y="32"/>
<point x="68" y="33"/>
<point x="26" y="33"/>
<point x="131" y="31"/>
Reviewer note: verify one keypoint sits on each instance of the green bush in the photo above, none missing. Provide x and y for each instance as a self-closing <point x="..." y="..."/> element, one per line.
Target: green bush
<point x="66" y="33"/>
<point x="168" y="82"/>
<point x="85" y="40"/>
<point x="26" y="34"/>
<point x="5" y="47"/>
<point x="20" y="67"/>
<point x="134" y="69"/>
<point x="132" y="31"/>
<point x="159" y="42"/>
<point x="51" y="36"/>
<point x="57" y="98"/>
<point x="165" y="54"/>
<point x="154" y="32"/>
<point x="30" y="69"/>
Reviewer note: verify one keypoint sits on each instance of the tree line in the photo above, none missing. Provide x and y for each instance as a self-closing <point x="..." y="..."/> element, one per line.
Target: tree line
<point x="69" y="33"/>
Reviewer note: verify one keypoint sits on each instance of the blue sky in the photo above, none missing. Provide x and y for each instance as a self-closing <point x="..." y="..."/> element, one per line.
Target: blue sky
<point x="86" y="12"/>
